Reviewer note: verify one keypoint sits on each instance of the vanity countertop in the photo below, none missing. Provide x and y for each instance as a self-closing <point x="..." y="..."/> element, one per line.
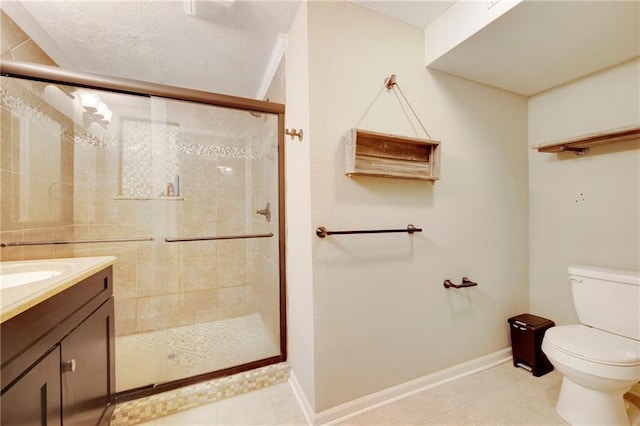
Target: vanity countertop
<point x="15" y="300"/>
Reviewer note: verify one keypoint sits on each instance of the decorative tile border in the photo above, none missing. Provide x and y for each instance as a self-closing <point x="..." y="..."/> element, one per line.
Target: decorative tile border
<point x="17" y="106"/>
<point x="218" y="151"/>
<point x="189" y="143"/>
<point x="171" y="402"/>
<point x="89" y="139"/>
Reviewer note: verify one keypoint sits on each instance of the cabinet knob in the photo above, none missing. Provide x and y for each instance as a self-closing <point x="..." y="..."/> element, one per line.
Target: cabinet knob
<point x="69" y="366"/>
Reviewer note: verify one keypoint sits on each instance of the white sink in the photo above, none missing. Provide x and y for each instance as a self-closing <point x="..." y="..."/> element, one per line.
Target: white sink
<point x="26" y="273"/>
<point x="25" y="283"/>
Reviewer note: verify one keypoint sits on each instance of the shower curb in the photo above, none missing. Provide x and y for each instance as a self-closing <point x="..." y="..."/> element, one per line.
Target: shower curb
<point x="177" y="400"/>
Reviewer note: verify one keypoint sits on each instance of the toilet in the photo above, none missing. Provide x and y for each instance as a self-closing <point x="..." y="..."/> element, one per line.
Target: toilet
<point x="600" y="357"/>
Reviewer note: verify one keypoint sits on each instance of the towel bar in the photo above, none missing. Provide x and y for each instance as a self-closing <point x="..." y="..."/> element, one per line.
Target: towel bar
<point x="223" y="237"/>
<point x="466" y="282"/>
<point x="410" y="229"/>
<point x="42" y="243"/>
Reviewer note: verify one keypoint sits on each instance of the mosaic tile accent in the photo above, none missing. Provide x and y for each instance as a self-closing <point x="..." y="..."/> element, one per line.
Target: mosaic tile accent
<point x="149" y="158"/>
<point x="171" y="402"/>
<point x="203" y="144"/>
<point x="219" y="151"/>
<point x="17" y="106"/>
<point x="138" y="149"/>
<point x="89" y="139"/>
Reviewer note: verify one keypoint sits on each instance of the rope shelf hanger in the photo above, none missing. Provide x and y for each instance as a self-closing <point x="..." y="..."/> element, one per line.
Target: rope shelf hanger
<point x="392" y="156"/>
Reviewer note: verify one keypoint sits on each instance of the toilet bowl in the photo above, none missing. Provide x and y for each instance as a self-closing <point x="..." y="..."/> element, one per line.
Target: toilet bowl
<point x="598" y="369"/>
<point x="600" y="357"/>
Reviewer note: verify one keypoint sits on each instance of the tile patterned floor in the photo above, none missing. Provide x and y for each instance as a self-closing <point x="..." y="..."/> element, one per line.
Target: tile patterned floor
<point x="502" y="395"/>
<point x="275" y="405"/>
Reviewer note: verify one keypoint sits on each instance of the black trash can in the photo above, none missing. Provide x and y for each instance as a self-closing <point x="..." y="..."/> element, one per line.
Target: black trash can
<point x="527" y="332"/>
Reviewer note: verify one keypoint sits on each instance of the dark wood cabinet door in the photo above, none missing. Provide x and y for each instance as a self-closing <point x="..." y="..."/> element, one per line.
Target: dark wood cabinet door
<point x="34" y="400"/>
<point x="87" y="369"/>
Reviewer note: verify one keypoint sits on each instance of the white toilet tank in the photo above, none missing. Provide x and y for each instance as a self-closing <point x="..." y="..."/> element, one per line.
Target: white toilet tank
<point x="607" y="299"/>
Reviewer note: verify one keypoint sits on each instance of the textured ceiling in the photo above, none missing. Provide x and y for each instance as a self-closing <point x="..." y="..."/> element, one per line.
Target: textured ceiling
<point x="156" y="41"/>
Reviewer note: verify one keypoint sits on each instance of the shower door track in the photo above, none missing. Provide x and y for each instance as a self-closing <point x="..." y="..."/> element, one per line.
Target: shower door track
<point x="55" y="75"/>
<point x="58" y="76"/>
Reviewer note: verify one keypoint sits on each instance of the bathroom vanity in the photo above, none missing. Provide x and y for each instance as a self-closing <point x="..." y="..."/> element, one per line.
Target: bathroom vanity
<point x="57" y="343"/>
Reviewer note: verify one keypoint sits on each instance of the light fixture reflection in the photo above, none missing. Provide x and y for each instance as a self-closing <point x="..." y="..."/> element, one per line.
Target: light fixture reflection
<point x="89" y="101"/>
<point x="95" y="108"/>
<point x="225" y="170"/>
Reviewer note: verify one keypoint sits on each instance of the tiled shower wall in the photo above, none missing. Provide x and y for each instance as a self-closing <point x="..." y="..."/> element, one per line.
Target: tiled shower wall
<point x="159" y="285"/>
<point x="51" y="215"/>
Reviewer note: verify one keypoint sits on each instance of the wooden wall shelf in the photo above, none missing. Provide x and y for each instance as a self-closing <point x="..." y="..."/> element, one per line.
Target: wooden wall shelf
<point x="383" y="155"/>
<point x="581" y="144"/>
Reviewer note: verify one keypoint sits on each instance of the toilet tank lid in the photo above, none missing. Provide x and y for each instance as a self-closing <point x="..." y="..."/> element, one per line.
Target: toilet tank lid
<point x="626" y="276"/>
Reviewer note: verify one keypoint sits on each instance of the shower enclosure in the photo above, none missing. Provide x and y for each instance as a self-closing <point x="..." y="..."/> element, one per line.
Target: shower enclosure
<point x="184" y="187"/>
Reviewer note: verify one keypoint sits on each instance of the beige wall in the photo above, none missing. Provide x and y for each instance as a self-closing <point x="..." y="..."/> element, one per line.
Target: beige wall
<point x="300" y="309"/>
<point x="381" y="314"/>
<point x="17" y="45"/>
<point x="51" y="213"/>
<point x="583" y="209"/>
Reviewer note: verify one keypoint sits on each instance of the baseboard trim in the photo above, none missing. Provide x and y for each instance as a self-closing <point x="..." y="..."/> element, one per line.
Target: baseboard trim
<point x="304" y="403"/>
<point x="358" y="406"/>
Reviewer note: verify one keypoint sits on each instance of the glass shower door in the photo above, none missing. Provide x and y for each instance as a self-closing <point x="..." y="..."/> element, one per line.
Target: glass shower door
<point x="208" y="295"/>
<point x="186" y="195"/>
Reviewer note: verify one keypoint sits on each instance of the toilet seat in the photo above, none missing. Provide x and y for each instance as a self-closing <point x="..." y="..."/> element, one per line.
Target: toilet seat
<point x="593" y="345"/>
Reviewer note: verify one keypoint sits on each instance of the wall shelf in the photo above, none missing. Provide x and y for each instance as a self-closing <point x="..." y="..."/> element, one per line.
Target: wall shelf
<point x="581" y="144"/>
<point x="383" y="155"/>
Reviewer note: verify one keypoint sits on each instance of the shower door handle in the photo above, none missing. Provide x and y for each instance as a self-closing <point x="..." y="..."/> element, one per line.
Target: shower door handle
<point x="222" y="237"/>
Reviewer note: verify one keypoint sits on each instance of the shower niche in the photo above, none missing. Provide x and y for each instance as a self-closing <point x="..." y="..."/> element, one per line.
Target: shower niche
<point x="175" y="186"/>
<point x="149" y="160"/>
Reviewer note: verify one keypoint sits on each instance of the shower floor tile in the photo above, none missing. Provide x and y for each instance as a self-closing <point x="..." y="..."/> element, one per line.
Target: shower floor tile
<point x="176" y="353"/>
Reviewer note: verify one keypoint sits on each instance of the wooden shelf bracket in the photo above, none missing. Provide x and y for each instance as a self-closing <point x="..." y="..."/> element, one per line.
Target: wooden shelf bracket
<point x="581" y="144"/>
